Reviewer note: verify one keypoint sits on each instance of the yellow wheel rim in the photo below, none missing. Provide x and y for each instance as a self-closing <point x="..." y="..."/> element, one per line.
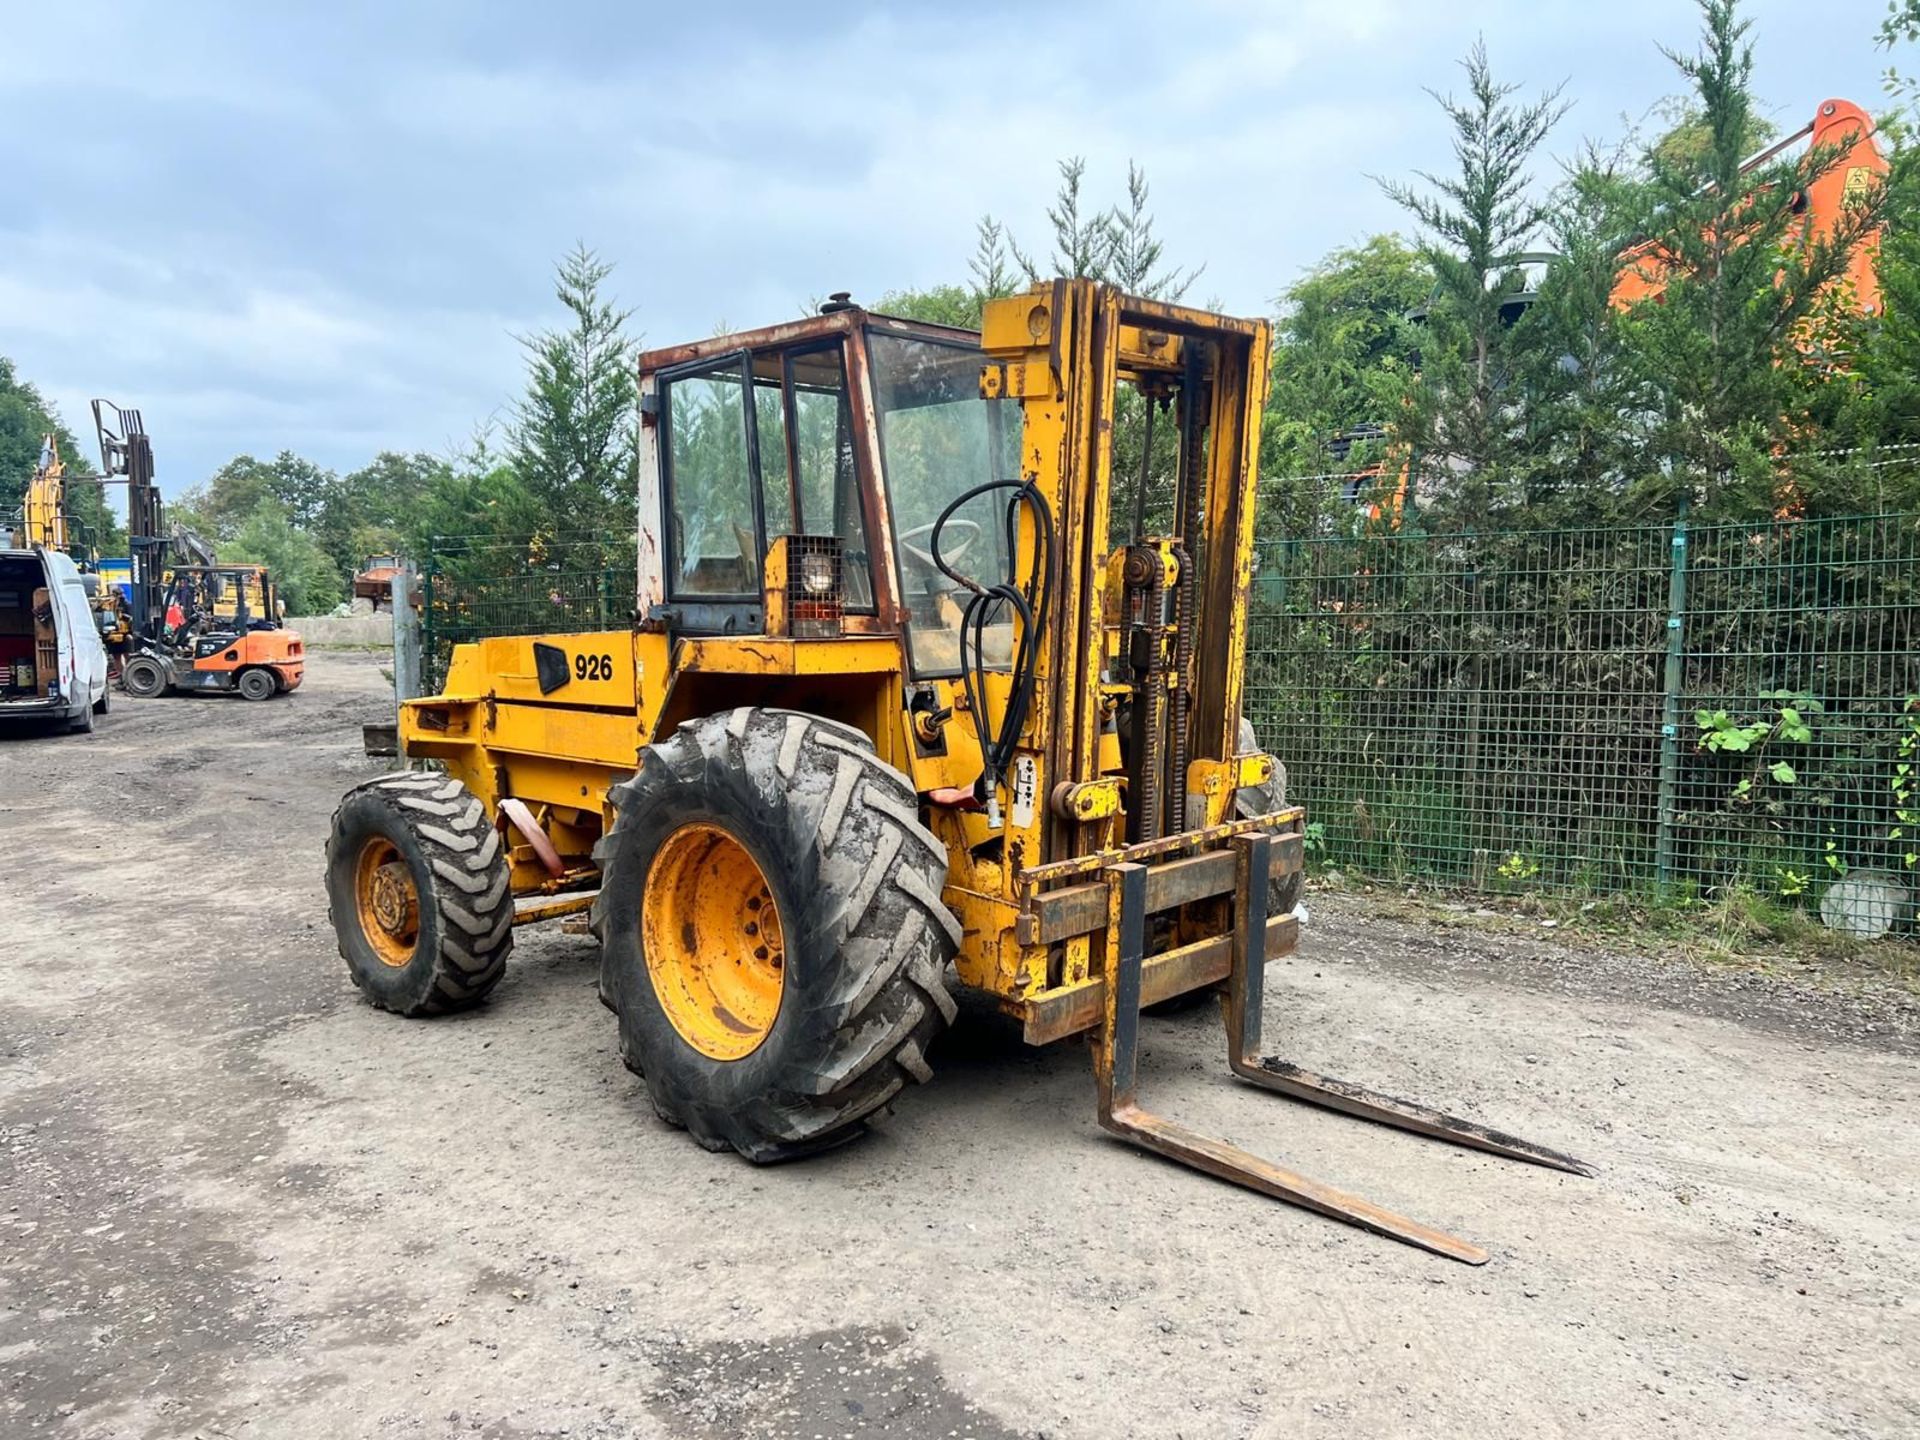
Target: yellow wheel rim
<point x="387" y="902"/>
<point x="713" y="941"/>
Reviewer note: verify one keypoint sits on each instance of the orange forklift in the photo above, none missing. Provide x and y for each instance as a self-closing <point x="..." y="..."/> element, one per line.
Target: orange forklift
<point x="220" y="631"/>
<point x="197" y="625"/>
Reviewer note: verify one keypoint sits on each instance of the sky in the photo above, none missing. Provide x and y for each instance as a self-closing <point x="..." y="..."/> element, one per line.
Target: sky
<point x="322" y="227"/>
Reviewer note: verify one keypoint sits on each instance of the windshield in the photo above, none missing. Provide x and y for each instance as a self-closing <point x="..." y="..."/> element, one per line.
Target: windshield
<point x="938" y="440"/>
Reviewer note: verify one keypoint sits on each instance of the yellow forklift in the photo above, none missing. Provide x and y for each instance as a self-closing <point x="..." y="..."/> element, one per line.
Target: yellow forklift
<point x="914" y="683"/>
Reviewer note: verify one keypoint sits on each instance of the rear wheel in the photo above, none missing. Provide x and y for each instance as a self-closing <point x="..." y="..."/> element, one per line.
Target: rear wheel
<point x="144" y="677"/>
<point x="417" y="890"/>
<point x="772" y="934"/>
<point x="256" y="684"/>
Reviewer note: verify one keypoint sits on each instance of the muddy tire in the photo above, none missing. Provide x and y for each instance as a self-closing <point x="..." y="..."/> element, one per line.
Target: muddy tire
<point x="256" y="684"/>
<point x="143" y="677"/>
<point x="835" y="843"/>
<point x="417" y="890"/>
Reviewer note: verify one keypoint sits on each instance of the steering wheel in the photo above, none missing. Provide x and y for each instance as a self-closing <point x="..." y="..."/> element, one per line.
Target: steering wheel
<point x="970" y="532"/>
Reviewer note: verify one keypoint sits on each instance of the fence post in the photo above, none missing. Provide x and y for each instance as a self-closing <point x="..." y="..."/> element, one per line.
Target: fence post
<point x="1663" y="850"/>
<point x="428" y="640"/>
<point x="406" y="637"/>
<point x="606" y="597"/>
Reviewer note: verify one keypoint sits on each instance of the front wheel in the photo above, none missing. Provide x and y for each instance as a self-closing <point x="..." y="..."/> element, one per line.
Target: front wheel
<point x="417" y="890"/>
<point x="773" y="938"/>
<point x="144" y="677"/>
<point x="256" y="684"/>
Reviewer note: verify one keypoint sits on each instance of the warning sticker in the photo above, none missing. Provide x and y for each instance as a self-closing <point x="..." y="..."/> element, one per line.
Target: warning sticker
<point x="1026" y="780"/>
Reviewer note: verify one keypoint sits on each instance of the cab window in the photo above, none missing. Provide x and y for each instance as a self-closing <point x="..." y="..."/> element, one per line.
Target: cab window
<point x="742" y="470"/>
<point x="712" y="546"/>
<point x="826" y="485"/>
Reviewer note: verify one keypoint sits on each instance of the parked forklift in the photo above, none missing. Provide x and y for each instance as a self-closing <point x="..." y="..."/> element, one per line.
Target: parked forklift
<point x="194" y="624"/>
<point x="916" y="681"/>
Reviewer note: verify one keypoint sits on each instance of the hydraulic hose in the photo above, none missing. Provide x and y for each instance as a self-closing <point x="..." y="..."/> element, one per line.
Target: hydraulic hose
<point x="1027" y="597"/>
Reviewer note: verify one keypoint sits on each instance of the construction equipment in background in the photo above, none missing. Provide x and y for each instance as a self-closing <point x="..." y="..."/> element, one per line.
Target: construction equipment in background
<point x="220" y="632"/>
<point x="906" y="686"/>
<point x="195" y="625"/>
<point x="47" y="523"/>
<point x="43" y="508"/>
<point x="373" y="581"/>
<point x="1840" y="132"/>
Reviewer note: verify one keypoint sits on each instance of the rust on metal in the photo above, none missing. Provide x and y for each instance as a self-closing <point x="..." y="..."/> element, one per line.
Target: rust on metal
<point x="553" y="909"/>
<point x="1038" y="875"/>
<point x="1072" y="1009"/>
<point x="1116" y="1072"/>
<point x="1077" y="909"/>
<point x="1116" y="1062"/>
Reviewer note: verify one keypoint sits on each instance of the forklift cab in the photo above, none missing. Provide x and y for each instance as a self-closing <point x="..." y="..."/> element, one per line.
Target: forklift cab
<point x="222" y="600"/>
<point x="859" y="431"/>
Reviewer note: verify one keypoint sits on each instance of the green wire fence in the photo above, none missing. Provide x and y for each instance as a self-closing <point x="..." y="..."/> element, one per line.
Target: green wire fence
<point x="1664" y="708"/>
<point x="471" y="588"/>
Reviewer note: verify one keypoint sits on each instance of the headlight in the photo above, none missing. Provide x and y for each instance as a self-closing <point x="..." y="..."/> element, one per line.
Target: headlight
<point x="816" y="574"/>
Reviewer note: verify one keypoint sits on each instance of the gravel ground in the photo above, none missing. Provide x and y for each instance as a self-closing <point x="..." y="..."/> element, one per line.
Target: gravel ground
<point x="236" y="1201"/>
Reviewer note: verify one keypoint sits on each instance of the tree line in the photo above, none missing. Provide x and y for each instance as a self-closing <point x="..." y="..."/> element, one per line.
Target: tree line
<point x="1754" y="380"/>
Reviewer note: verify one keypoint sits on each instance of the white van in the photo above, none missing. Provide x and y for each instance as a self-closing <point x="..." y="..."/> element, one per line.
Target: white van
<point x="53" y="665"/>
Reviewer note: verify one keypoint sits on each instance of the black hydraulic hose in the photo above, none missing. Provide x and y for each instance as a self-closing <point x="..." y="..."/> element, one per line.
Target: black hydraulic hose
<point x="1027" y="598"/>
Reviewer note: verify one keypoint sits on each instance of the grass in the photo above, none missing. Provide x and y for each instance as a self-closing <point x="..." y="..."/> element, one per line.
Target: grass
<point x="1735" y="926"/>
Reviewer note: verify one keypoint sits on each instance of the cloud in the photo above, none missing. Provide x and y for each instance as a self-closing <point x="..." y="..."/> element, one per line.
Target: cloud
<point x="321" y="229"/>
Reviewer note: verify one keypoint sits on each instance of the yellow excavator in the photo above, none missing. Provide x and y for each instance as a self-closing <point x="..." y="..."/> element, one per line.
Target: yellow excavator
<point x="917" y="687"/>
<point x="46" y="520"/>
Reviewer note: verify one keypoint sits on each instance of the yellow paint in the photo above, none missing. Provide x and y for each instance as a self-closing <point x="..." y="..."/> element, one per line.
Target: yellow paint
<point x="1090" y="800"/>
<point x="1060" y="354"/>
<point x="43" y="509"/>
<point x="711" y="934"/>
<point x="386" y="902"/>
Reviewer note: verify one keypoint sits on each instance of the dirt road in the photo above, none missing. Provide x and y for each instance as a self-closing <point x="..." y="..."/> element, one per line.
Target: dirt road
<point x="235" y="1201"/>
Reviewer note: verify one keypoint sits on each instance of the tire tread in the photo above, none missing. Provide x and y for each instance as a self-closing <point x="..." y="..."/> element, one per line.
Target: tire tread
<point x="471" y="891"/>
<point x="880" y="874"/>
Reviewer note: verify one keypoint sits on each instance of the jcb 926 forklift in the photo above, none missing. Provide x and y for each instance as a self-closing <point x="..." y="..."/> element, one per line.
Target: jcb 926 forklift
<point x="906" y="689"/>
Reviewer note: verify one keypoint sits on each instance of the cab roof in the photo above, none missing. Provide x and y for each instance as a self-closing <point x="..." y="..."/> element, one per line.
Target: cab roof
<point x="833" y="324"/>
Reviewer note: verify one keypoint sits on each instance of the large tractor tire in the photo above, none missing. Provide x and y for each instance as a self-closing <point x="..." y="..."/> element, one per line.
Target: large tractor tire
<point x="772" y="934"/>
<point x="144" y="677"/>
<point x="417" y="890"/>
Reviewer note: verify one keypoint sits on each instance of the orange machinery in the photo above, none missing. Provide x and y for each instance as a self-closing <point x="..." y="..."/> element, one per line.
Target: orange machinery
<point x="1840" y="128"/>
<point x="221" y="632"/>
